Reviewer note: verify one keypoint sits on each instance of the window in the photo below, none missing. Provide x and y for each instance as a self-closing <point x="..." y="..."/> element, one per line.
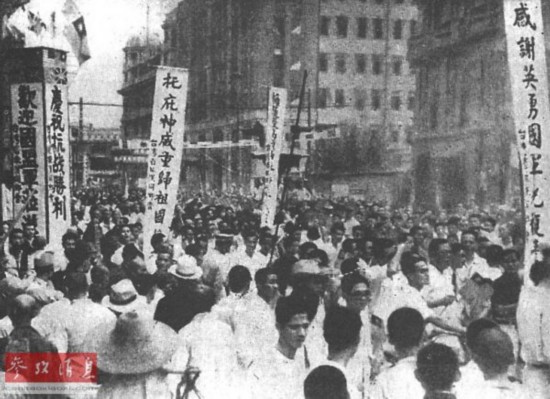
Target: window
<point x="412" y="27"/>
<point x="375" y="99"/>
<point x="339" y="98"/>
<point x="360" y="99"/>
<point x="362" y="28"/>
<point x="323" y="62"/>
<point x="341" y="63"/>
<point x="411" y="102"/>
<point x="398" y="29"/>
<point x="433" y="113"/>
<point x="217" y="136"/>
<point x="378" y="28"/>
<point x="342" y="26"/>
<point x="396" y="100"/>
<point x="323" y="98"/>
<point x="376" y="64"/>
<point x="360" y="63"/>
<point x="325" y="26"/>
<point x="397" y="64"/>
<point x="395" y="136"/>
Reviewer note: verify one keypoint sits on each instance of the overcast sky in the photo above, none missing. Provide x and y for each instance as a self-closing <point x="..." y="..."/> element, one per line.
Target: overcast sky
<point x="109" y="23"/>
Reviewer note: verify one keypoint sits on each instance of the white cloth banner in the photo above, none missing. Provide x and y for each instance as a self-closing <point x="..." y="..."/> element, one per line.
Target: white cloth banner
<point x="528" y="76"/>
<point x="58" y="160"/>
<point x="274" y="144"/>
<point x="165" y="152"/>
<point x="29" y="163"/>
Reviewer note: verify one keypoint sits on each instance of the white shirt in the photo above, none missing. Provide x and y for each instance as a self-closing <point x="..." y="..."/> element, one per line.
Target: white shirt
<point x="353" y="391"/>
<point x="533" y="319"/>
<point x="151" y="385"/>
<point x="252" y="263"/>
<point x="398" y="382"/>
<point x="470" y="377"/>
<point x="441" y="285"/>
<point x="332" y="251"/>
<point x="85" y="316"/>
<point x="495" y="390"/>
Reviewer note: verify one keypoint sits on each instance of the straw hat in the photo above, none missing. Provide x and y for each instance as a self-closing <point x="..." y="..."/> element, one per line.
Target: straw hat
<point x="123" y="297"/>
<point x="44" y="261"/>
<point x="306" y="266"/>
<point x="134" y="344"/>
<point x="186" y="268"/>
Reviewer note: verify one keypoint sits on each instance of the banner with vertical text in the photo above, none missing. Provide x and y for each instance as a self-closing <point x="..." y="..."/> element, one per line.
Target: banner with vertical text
<point x="276" y="113"/>
<point x="165" y="152"/>
<point x="528" y="76"/>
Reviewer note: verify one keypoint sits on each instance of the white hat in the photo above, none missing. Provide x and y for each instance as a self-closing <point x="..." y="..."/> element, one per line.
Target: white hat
<point x="123" y="297"/>
<point x="134" y="344"/>
<point x="186" y="268"/>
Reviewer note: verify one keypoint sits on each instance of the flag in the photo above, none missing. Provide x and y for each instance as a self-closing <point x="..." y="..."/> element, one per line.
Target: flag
<point x="36" y="24"/>
<point x="296" y="67"/>
<point x="297" y="30"/>
<point x="75" y="31"/>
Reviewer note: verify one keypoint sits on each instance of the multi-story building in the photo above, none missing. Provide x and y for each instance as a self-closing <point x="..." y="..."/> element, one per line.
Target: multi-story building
<point x="141" y="54"/>
<point x="464" y="148"/>
<point x="353" y="52"/>
<point x="91" y="152"/>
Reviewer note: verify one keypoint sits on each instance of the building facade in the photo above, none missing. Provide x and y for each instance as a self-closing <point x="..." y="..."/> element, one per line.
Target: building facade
<point x="141" y="54"/>
<point x="91" y="151"/>
<point x="353" y="51"/>
<point x="464" y="148"/>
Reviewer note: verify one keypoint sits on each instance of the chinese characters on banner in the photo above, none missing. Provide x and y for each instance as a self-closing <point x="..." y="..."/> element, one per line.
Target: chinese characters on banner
<point x="528" y="75"/>
<point x="274" y="143"/>
<point x="27" y="132"/>
<point x="50" y="367"/>
<point x="165" y="152"/>
<point x="57" y="159"/>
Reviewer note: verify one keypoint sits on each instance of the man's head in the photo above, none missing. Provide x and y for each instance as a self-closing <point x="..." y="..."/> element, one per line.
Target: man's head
<point x="17" y="239"/>
<point x="266" y="243"/>
<point x="307" y="250"/>
<point x="452" y="225"/>
<point x="157" y="240"/>
<point x="326" y="382"/>
<point x="223" y="243"/>
<point x="306" y="274"/>
<point x="474" y="221"/>
<point x="384" y="249"/>
<point x="23" y="309"/>
<point x="164" y="258"/>
<point x="250" y="242"/>
<point x="358" y="232"/>
<point x="356" y="291"/>
<point x="405" y="328"/>
<point x="239" y="279"/>
<point x="341" y="329"/>
<point x="469" y="242"/>
<point x="196" y="251"/>
<point x="293" y="317"/>
<point x="437" y="367"/>
<point x="126" y="236"/>
<point x="337" y="232"/>
<point x="76" y="285"/>
<point x="43" y="266"/>
<point x="489" y="224"/>
<point x="494" y="352"/>
<point x="417" y="233"/>
<point x="475" y="328"/>
<point x="493" y="255"/>
<point x="266" y="284"/>
<point x="510" y="261"/>
<point x="29" y="231"/>
<point x="415" y="268"/>
<point x="439" y="251"/>
<point x="69" y="240"/>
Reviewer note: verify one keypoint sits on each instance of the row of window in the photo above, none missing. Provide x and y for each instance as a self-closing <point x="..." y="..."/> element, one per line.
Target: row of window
<point x="360" y="99"/>
<point x="342" y="26"/>
<point x="342" y="63"/>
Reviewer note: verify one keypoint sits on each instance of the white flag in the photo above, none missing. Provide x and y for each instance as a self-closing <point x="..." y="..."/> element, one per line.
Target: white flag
<point x="296" y="67"/>
<point x="297" y="30"/>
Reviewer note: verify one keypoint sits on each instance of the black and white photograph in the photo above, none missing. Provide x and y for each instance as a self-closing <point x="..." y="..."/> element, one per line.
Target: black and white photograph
<point x="274" y="199"/>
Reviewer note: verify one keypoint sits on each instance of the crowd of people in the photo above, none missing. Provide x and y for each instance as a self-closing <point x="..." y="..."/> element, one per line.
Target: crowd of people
<point x="341" y="299"/>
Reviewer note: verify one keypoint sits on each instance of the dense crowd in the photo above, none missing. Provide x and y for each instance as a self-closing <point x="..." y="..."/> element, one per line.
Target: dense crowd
<point x="342" y="299"/>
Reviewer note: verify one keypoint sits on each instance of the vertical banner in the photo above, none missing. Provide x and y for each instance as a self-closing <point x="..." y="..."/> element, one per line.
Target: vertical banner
<point x="58" y="163"/>
<point x="165" y="152"/>
<point x="274" y="144"/>
<point x="528" y="76"/>
<point x="85" y="169"/>
<point x="27" y="133"/>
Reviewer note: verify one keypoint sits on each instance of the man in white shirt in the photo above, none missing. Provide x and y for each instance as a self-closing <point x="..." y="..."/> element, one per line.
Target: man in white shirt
<point x="342" y="331"/>
<point x="126" y="237"/>
<point x="248" y="256"/>
<point x="217" y="263"/>
<point x="282" y="370"/>
<point x="255" y="317"/>
<point x="405" y="331"/>
<point x="333" y="247"/>
<point x="439" y="293"/>
<point x="474" y="263"/>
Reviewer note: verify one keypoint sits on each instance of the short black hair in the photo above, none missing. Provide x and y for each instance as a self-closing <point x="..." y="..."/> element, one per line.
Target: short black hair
<point x="416" y="229"/>
<point x="69" y="235"/>
<point x="433" y="248"/>
<point x="326" y="382"/>
<point x="261" y="275"/>
<point x="321" y="255"/>
<point x="157" y="238"/>
<point x="347" y="244"/>
<point x="341" y="328"/>
<point x="538" y="272"/>
<point x="351" y="280"/>
<point x="289" y="306"/>
<point x="474" y="328"/>
<point x="408" y="261"/>
<point x="349" y="265"/>
<point x="405" y="328"/>
<point x="313" y="233"/>
<point x="494" y="254"/>
<point x="437" y="367"/>
<point x="193" y="250"/>
<point x="453" y="220"/>
<point x="338" y="226"/>
<point x="307" y="249"/>
<point x="238" y="277"/>
<point x="76" y="283"/>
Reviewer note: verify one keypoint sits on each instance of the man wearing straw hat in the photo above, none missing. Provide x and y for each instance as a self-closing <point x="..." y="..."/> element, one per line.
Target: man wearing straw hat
<point x="131" y="354"/>
<point x="123" y="297"/>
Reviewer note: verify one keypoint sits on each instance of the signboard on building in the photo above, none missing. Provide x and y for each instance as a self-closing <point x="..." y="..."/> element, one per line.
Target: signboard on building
<point x="274" y="144"/>
<point x="165" y="152"/>
<point x="528" y="76"/>
<point x="340" y="190"/>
